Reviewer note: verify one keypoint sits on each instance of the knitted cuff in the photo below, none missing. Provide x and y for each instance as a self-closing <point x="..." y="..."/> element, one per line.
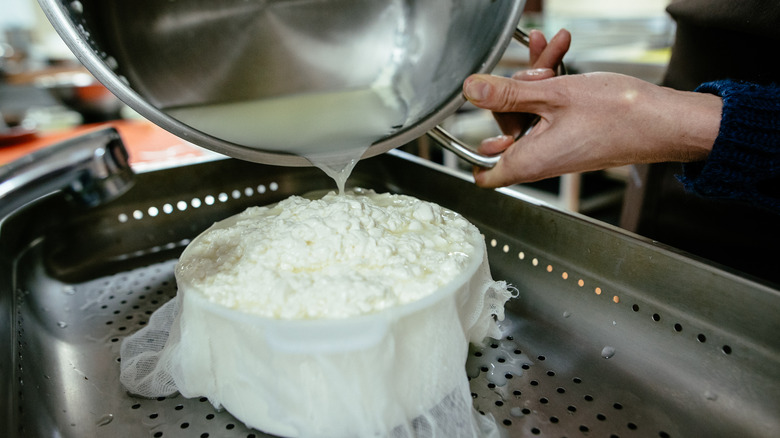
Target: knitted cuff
<point x="744" y="163"/>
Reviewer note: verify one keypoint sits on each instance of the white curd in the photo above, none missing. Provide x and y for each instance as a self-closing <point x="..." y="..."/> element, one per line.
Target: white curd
<point x="335" y="257"/>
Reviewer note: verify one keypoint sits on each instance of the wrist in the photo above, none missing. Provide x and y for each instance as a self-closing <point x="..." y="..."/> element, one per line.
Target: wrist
<point x="695" y="120"/>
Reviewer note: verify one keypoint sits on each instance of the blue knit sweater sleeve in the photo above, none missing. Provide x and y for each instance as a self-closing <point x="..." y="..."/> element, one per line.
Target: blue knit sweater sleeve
<point x="744" y="163"/>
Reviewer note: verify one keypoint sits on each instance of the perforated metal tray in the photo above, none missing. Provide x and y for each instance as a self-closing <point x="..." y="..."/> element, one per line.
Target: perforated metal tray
<point x="611" y="335"/>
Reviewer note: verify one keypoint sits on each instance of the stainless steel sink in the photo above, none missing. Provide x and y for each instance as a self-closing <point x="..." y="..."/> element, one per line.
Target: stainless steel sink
<point x="611" y="335"/>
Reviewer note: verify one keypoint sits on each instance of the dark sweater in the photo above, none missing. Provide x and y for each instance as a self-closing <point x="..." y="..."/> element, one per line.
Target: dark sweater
<point x="744" y="164"/>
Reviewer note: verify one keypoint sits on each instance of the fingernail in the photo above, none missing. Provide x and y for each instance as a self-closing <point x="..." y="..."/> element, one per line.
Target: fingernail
<point x="531" y="73"/>
<point x="476" y="90"/>
<point x="498" y="138"/>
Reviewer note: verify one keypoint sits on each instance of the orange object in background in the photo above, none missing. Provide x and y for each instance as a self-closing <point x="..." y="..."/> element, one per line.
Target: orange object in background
<point x="148" y="144"/>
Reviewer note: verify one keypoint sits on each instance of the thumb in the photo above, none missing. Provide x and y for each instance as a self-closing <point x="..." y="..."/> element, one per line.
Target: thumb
<point x="502" y="95"/>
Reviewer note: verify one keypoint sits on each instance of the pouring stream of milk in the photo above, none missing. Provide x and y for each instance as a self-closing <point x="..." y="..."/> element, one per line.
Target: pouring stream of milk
<point x="330" y="129"/>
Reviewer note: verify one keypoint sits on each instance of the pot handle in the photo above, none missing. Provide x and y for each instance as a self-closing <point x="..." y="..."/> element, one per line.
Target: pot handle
<point x="465" y="152"/>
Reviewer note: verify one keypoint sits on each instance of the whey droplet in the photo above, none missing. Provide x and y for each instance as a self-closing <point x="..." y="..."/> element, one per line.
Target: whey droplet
<point x="607" y="352"/>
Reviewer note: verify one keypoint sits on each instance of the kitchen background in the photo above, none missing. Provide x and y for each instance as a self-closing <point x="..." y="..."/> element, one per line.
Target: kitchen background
<point x="45" y="95"/>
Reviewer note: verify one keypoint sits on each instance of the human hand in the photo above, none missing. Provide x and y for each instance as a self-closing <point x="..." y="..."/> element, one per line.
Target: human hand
<point x="591" y="122"/>
<point x="545" y="59"/>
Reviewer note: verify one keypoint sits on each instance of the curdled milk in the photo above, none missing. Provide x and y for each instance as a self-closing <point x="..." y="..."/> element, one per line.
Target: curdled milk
<point x="292" y="318"/>
<point x="336" y="257"/>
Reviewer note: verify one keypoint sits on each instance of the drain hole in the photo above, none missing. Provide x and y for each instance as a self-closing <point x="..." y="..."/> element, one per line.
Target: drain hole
<point x="560" y="390"/>
<point x="635" y="308"/>
<point x="551" y="373"/>
<point x="588" y="397"/>
<point x="601" y="417"/>
<point x="617" y="406"/>
<point x="158" y="434"/>
<point x="726" y="349"/>
<point x="663" y="434"/>
<point x="184" y="425"/>
<point x="210" y="416"/>
<point x="230" y="426"/>
<point x="677" y="327"/>
<point x="544" y="400"/>
<point x="632" y="426"/>
<point x="507" y="422"/>
<point x="576" y="380"/>
<point x="153" y="416"/>
<point x="554" y="420"/>
<point x="204" y="435"/>
<point x="534" y="383"/>
<point x="583" y="428"/>
<point x="571" y="408"/>
<point x="499" y="403"/>
<point x="656" y="317"/>
<point x="535" y="431"/>
<point x="701" y="338"/>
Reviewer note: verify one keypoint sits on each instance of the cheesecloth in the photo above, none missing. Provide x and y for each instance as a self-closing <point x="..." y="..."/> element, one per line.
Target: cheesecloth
<point x="398" y="373"/>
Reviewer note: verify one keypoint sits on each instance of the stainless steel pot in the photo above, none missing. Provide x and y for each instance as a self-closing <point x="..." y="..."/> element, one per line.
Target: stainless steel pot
<point x="160" y="56"/>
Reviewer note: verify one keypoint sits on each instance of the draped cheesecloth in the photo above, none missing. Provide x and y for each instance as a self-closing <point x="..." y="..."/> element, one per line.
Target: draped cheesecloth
<point x="398" y="373"/>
